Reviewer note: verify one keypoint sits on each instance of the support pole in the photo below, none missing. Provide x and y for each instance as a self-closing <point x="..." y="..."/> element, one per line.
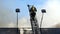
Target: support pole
<point x="41" y="20"/>
<point x="43" y="11"/>
<point x="17" y="11"/>
<point x="41" y="23"/>
<point x="17" y="19"/>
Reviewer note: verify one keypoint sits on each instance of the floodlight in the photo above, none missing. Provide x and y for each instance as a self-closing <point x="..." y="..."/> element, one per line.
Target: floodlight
<point x="17" y="10"/>
<point x="43" y="11"/>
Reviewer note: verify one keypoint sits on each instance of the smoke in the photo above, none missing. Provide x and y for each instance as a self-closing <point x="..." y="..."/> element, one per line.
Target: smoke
<point x="56" y="25"/>
<point x="7" y="16"/>
<point x="24" y="22"/>
<point x="52" y="14"/>
<point x="52" y="17"/>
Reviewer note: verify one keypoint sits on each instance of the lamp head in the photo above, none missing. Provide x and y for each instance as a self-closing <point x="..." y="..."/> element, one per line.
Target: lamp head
<point x="43" y="11"/>
<point x="28" y="5"/>
<point x="17" y="10"/>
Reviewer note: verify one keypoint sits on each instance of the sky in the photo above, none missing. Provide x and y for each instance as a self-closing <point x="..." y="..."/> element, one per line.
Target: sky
<point x="8" y="15"/>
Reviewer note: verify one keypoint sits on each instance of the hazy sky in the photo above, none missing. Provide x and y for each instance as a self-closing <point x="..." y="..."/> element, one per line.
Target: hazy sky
<point x="8" y="14"/>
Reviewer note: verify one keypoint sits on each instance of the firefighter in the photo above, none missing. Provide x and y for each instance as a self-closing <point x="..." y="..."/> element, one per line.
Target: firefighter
<point x="33" y="12"/>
